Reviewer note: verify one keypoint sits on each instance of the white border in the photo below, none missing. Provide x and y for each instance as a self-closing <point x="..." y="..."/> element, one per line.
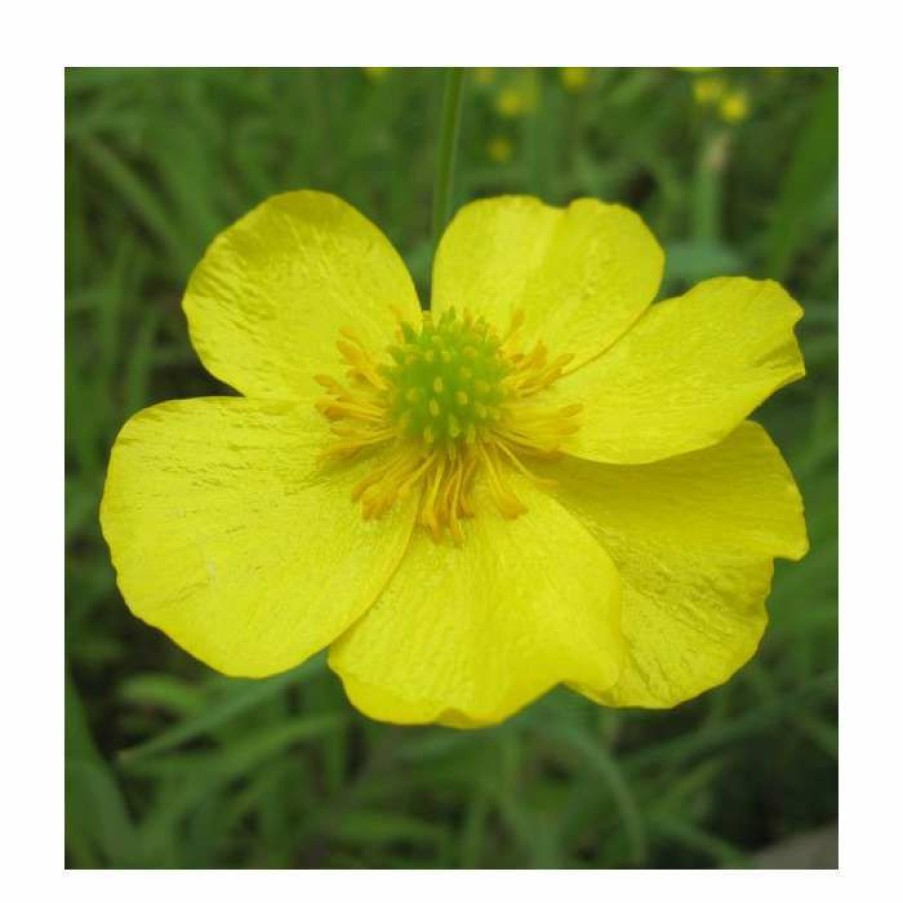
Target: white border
<point x="39" y="42"/>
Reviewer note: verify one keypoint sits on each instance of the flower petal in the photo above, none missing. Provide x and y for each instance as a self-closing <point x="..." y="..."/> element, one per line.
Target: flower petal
<point x="581" y="275"/>
<point x="227" y="535"/>
<point x="687" y="373"/>
<point x="267" y="301"/>
<point x="693" y="539"/>
<point x="466" y="635"/>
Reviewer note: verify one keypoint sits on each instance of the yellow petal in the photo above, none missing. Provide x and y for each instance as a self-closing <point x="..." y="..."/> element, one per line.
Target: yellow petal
<point x="469" y="634"/>
<point x="581" y="275"/>
<point x="267" y="301"/>
<point x="687" y="373"/>
<point x="693" y="540"/>
<point x="227" y="535"/>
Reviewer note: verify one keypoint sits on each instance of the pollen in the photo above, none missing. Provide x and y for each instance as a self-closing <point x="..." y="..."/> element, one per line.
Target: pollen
<point x="449" y="403"/>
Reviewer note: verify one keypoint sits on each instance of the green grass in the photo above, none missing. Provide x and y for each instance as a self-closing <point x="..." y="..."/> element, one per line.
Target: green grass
<point x="171" y="765"/>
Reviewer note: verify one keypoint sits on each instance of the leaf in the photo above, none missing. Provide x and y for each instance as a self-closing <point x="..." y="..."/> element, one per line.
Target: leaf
<point x="165" y="692"/>
<point x="199" y="776"/>
<point x="99" y="830"/>
<point x="720" y="851"/>
<point x="688" y="262"/>
<point x="754" y="722"/>
<point x="807" y="200"/>
<point x="137" y="195"/>
<point x="374" y="827"/>
<point x="605" y="765"/>
<point x="241" y="696"/>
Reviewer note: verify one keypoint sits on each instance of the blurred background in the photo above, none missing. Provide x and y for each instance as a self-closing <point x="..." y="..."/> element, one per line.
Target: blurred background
<point x="171" y="765"/>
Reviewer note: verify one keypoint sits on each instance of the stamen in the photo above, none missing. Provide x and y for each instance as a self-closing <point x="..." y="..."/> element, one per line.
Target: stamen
<point x="448" y="404"/>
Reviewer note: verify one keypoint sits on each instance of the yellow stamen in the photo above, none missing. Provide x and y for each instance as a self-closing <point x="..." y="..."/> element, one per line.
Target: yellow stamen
<point x="496" y="414"/>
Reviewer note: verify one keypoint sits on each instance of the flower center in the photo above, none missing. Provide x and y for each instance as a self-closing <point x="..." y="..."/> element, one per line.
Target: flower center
<point x="445" y="385"/>
<point x="447" y="402"/>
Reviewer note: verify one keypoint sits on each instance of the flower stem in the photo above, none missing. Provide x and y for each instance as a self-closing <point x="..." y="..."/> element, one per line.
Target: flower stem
<point x="448" y="145"/>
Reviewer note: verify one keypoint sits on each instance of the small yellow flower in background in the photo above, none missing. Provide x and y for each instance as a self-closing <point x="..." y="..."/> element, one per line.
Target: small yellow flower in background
<point x="544" y="480"/>
<point x="499" y="149"/>
<point x="483" y="75"/>
<point x="709" y="90"/>
<point x="511" y="102"/>
<point x="731" y="103"/>
<point x="515" y="93"/>
<point x="376" y="73"/>
<point x="575" y="78"/>
<point x="734" y="107"/>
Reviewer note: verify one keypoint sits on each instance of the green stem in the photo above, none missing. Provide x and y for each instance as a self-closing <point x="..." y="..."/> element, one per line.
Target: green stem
<point x="448" y="145"/>
<point x="707" y="201"/>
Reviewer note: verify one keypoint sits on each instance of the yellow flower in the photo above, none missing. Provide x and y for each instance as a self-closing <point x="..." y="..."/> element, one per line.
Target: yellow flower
<point x="483" y="75"/>
<point x="709" y="90"/>
<point x="514" y="101"/>
<point x="376" y="73"/>
<point x="499" y="149"/>
<point x="543" y="481"/>
<point x="734" y="107"/>
<point x="575" y="78"/>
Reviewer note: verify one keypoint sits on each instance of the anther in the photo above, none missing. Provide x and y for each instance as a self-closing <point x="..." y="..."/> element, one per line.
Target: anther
<point x="397" y="406"/>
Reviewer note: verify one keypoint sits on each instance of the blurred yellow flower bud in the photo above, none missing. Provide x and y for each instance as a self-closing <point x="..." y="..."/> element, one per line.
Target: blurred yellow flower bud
<point x="575" y="78"/>
<point x="734" y="107"/>
<point x="709" y="90"/>
<point x="499" y="149"/>
<point x="512" y="102"/>
<point x="376" y="73"/>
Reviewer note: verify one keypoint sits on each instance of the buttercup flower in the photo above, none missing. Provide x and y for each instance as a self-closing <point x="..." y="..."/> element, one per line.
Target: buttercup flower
<point x="575" y="78"/>
<point x="734" y="107"/>
<point x="483" y="75"/>
<point x="544" y="480"/>
<point x="518" y="95"/>
<point x="376" y="73"/>
<point x="714" y="90"/>
<point x="499" y="149"/>
<point x="709" y="90"/>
